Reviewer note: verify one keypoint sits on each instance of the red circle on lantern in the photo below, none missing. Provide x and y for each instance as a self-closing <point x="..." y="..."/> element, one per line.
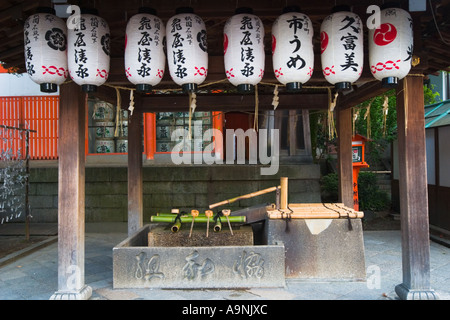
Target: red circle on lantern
<point x="323" y="41"/>
<point x="274" y="44"/>
<point x="385" y="34"/>
<point x="225" y="43"/>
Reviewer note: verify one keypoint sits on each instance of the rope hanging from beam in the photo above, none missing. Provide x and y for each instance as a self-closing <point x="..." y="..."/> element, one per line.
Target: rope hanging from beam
<point x="355" y="117"/>
<point x="331" y="105"/>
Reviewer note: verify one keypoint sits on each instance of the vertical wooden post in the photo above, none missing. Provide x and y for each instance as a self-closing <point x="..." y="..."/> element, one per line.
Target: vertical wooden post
<point x="292" y="132"/>
<point x="413" y="191"/>
<point x="345" y="168"/>
<point x="71" y="195"/>
<point x="284" y="193"/>
<point x="135" y="179"/>
<point x="149" y="135"/>
<point x="306" y="131"/>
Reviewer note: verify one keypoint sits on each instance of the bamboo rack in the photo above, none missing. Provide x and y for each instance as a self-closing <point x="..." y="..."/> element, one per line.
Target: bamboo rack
<point x="199" y="219"/>
<point x="315" y="211"/>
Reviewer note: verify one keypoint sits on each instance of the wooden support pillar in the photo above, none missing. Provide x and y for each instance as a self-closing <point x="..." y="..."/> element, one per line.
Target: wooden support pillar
<point x="135" y="180"/>
<point x="345" y="169"/>
<point x="71" y="194"/>
<point x="413" y="191"/>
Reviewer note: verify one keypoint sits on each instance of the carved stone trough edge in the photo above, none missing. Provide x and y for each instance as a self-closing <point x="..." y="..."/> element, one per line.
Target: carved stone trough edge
<point x="135" y="265"/>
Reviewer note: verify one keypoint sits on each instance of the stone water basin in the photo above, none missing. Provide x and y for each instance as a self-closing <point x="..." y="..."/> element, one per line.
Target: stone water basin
<point x="208" y="264"/>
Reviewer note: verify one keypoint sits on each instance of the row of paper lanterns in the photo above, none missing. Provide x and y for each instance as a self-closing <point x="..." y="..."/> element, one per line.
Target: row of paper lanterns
<point x="53" y="52"/>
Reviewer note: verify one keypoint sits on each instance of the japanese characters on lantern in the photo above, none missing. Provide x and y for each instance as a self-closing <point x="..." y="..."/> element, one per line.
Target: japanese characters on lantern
<point x="341" y="47"/>
<point x="391" y="46"/>
<point x="292" y="48"/>
<point x="45" y="39"/>
<point x="88" y="51"/>
<point x="144" y="50"/>
<point x="187" y="54"/>
<point x="244" y="49"/>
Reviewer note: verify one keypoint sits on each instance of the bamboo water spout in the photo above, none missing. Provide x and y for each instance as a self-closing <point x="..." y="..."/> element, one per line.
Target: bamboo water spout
<point x="284" y="195"/>
<point x="218" y="225"/>
<point x="177" y="225"/>
<point x="246" y="196"/>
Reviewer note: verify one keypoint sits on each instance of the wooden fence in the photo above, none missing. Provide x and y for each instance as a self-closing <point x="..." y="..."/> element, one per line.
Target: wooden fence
<point x="39" y="113"/>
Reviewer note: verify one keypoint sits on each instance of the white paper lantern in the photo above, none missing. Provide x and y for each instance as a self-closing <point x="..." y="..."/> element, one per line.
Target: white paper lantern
<point x="187" y="55"/>
<point x="145" y="59"/>
<point x="88" y="51"/>
<point x="391" y="46"/>
<point x="244" y="49"/>
<point x="292" y="48"/>
<point x="342" y="52"/>
<point x="45" y="39"/>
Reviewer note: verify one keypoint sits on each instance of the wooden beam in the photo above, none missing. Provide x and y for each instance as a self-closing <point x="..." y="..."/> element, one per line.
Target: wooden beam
<point x="109" y="94"/>
<point x="216" y="72"/>
<point x="216" y="101"/>
<point x="11" y="52"/>
<point x="135" y="179"/>
<point x="233" y="102"/>
<point x="360" y="94"/>
<point x="71" y="194"/>
<point x="344" y="149"/>
<point x="17" y="11"/>
<point x="413" y="191"/>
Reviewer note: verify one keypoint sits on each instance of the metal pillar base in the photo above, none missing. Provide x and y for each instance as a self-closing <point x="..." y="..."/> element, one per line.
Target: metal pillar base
<point x="406" y="293"/>
<point x="84" y="294"/>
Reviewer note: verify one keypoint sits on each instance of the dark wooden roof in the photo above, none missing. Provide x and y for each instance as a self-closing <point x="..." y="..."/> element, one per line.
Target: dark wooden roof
<point x="430" y="44"/>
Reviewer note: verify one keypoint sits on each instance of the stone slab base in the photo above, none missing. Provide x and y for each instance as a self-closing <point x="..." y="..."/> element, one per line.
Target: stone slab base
<point x="162" y="236"/>
<point x="320" y="248"/>
<point x="405" y="293"/>
<point x="135" y="265"/>
<point x="84" y="294"/>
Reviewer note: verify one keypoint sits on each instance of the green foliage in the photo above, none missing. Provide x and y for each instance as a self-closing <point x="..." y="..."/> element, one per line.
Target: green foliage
<point x="373" y="127"/>
<point x="314" y="128"/>
<point x="377" y="131"/>
<point x="429" y="95"/>
<point x="319" y="134"/>
<point x="330" y="187"/>
<point x="369" y="194"/>
<point x="381" y="134"/>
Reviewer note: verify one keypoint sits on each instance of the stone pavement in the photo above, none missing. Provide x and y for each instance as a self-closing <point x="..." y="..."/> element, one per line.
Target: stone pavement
<point x="34" y="276"/>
